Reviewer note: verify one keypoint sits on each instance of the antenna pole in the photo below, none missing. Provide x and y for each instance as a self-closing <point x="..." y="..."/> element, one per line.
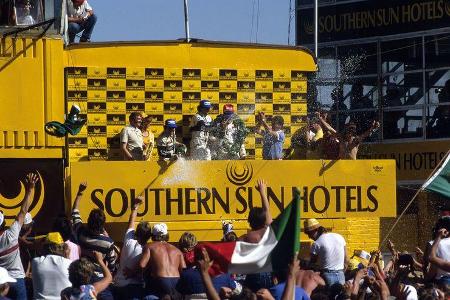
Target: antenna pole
<point x="316" y="28"/>
<point x="186" y="21"/>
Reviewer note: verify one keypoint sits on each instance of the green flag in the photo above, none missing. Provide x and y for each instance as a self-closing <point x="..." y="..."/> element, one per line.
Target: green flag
<point x="439" y="182"/>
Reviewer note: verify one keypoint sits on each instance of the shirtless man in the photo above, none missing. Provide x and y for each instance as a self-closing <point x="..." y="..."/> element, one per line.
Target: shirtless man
<point x="163" y="261"/>
<point x="259" y="219"/>
<point x="349" y="141"/>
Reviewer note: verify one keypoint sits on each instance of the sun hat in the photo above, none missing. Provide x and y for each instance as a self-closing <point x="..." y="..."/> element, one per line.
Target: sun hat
<point x="54" y="238"/>
<point x="159" y="229"/>
<point x="310" y="225"/>
<point x="4" y="276"/>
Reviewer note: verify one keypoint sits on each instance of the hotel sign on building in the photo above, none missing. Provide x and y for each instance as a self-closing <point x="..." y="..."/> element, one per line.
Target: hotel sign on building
<point x="372" y="18"/>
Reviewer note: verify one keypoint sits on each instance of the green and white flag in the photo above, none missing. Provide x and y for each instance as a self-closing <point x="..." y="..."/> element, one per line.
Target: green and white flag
<point x="439" y="182"/>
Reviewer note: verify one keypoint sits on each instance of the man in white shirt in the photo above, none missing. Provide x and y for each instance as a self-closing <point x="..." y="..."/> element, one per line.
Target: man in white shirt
<point x="81" y="18"/>
<point x="9" y="243"/>
<point x="129" y="283"/>
<point x="329" y="251"/>
<point x="131" y="139"/>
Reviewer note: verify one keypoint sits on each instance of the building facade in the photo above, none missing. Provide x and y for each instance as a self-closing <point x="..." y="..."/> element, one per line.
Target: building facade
<point x="390" y="61"/>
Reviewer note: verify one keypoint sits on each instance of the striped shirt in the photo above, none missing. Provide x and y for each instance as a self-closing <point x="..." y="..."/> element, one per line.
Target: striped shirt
<point x="94" y="242"/>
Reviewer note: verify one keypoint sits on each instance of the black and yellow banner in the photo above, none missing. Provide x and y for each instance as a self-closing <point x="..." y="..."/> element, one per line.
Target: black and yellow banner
<point x="48" y="197"/>
<point x="218" y="190"/>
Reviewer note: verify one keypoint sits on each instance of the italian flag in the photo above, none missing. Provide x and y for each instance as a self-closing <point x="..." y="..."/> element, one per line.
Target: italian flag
<point x="275" y="250"/>
<point x="439" y="182"/>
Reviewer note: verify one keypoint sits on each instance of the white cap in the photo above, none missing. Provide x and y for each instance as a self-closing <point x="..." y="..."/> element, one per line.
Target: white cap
<point x="4" y="276"/>
<point x="2" y="218"/>
<point x="28" y="219"/>
<point x="159" y="229"/>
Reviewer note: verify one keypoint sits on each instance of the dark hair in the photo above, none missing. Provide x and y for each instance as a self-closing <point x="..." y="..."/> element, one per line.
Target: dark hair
<point x="134" y="115"/>
<point x="96" y="221"/>
<point x="160" y="238"/>
<point x="4" y="287"/>
<point x="2" y="226"/>
<point x="187" y="241"/>
<point x="80" y="272"/>
<point x="54" y="249"/>
<point x="257" y="218"/>
<point x="63" y="225"/>
<point x="278" y="120"/>
<point x="143" y="232"/>
<point x="246" y="294"/>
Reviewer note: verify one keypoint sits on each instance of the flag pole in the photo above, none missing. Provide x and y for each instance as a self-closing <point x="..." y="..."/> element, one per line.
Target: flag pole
<point x="413" y="198"/>
<point x="316" y="28"/>
<point x="186" y="21"/>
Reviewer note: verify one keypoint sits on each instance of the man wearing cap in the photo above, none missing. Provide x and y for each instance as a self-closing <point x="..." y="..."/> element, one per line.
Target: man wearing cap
<point x="229" y="133"/>
<point x="199" y="128"/>
<point x="168" y="146"/>
<point x="51" y="270"/>
<point x="9" y="243"/>
<point x="81" y="18"/>
<point x="131" y="139"/>
<point x="328" y="251"/>
<point x="164" y="261"/>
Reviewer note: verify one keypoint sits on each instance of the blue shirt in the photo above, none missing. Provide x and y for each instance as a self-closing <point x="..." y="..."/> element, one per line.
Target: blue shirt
<point x="191" y="282"/>
<point x="273" y="146"/>
<point x="277" y="292"/>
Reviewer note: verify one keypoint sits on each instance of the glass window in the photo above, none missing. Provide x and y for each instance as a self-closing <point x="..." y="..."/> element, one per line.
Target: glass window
<point x="399" y="56"/>
<point x="438" y="86"/>
<point x="357" y="59"/>
<point x="402" y="123"/>
<point x="403" y="89"/>
<point x="437" y="51"/>
<point x="327" y="63"/>
<point x="438" y="121"/>
<point x="28" y="12"/>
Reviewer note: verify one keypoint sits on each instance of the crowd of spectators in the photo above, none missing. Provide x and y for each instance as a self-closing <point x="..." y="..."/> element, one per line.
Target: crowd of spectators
<point x="79" y="260"/>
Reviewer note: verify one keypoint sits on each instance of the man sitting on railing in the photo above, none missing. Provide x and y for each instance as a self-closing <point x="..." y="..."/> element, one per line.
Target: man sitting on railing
<point x="81" y="18"/>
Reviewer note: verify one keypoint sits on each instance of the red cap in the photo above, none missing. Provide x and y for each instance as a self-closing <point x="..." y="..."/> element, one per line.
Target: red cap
<point x="228" y="109"/>
<point x="78" y="2"/>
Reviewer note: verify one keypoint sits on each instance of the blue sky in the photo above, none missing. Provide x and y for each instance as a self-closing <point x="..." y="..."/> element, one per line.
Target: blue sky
<point x="229" y="20"/>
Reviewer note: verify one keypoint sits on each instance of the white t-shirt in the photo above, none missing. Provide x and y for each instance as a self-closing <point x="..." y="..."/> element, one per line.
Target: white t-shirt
<point x="80" y="11"/>
<point x="443" y="251"/>
<point x="132" y="136"/>
<point x="11" y="261"/>
<point x="412" y="292"/>
<point x="329" y="248"/>
<point x="50" y="276"/>
<point x="129" y="258"/>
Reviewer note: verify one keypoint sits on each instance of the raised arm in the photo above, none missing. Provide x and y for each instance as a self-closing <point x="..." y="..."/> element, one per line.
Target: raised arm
<point x="204" y="264"/>
<point x="30" y="183"/>
<point x="107" y="279"/>
<point x="261" y="186"/>
<point x="433" y="258"/>
<point x="289" y="288"/>
<point x="324" y="123"/>
<point x="266" y="126"/>
<point x="134" y="209"/>
<point x="368" y="132"/>
<point x="81" y="188"/>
